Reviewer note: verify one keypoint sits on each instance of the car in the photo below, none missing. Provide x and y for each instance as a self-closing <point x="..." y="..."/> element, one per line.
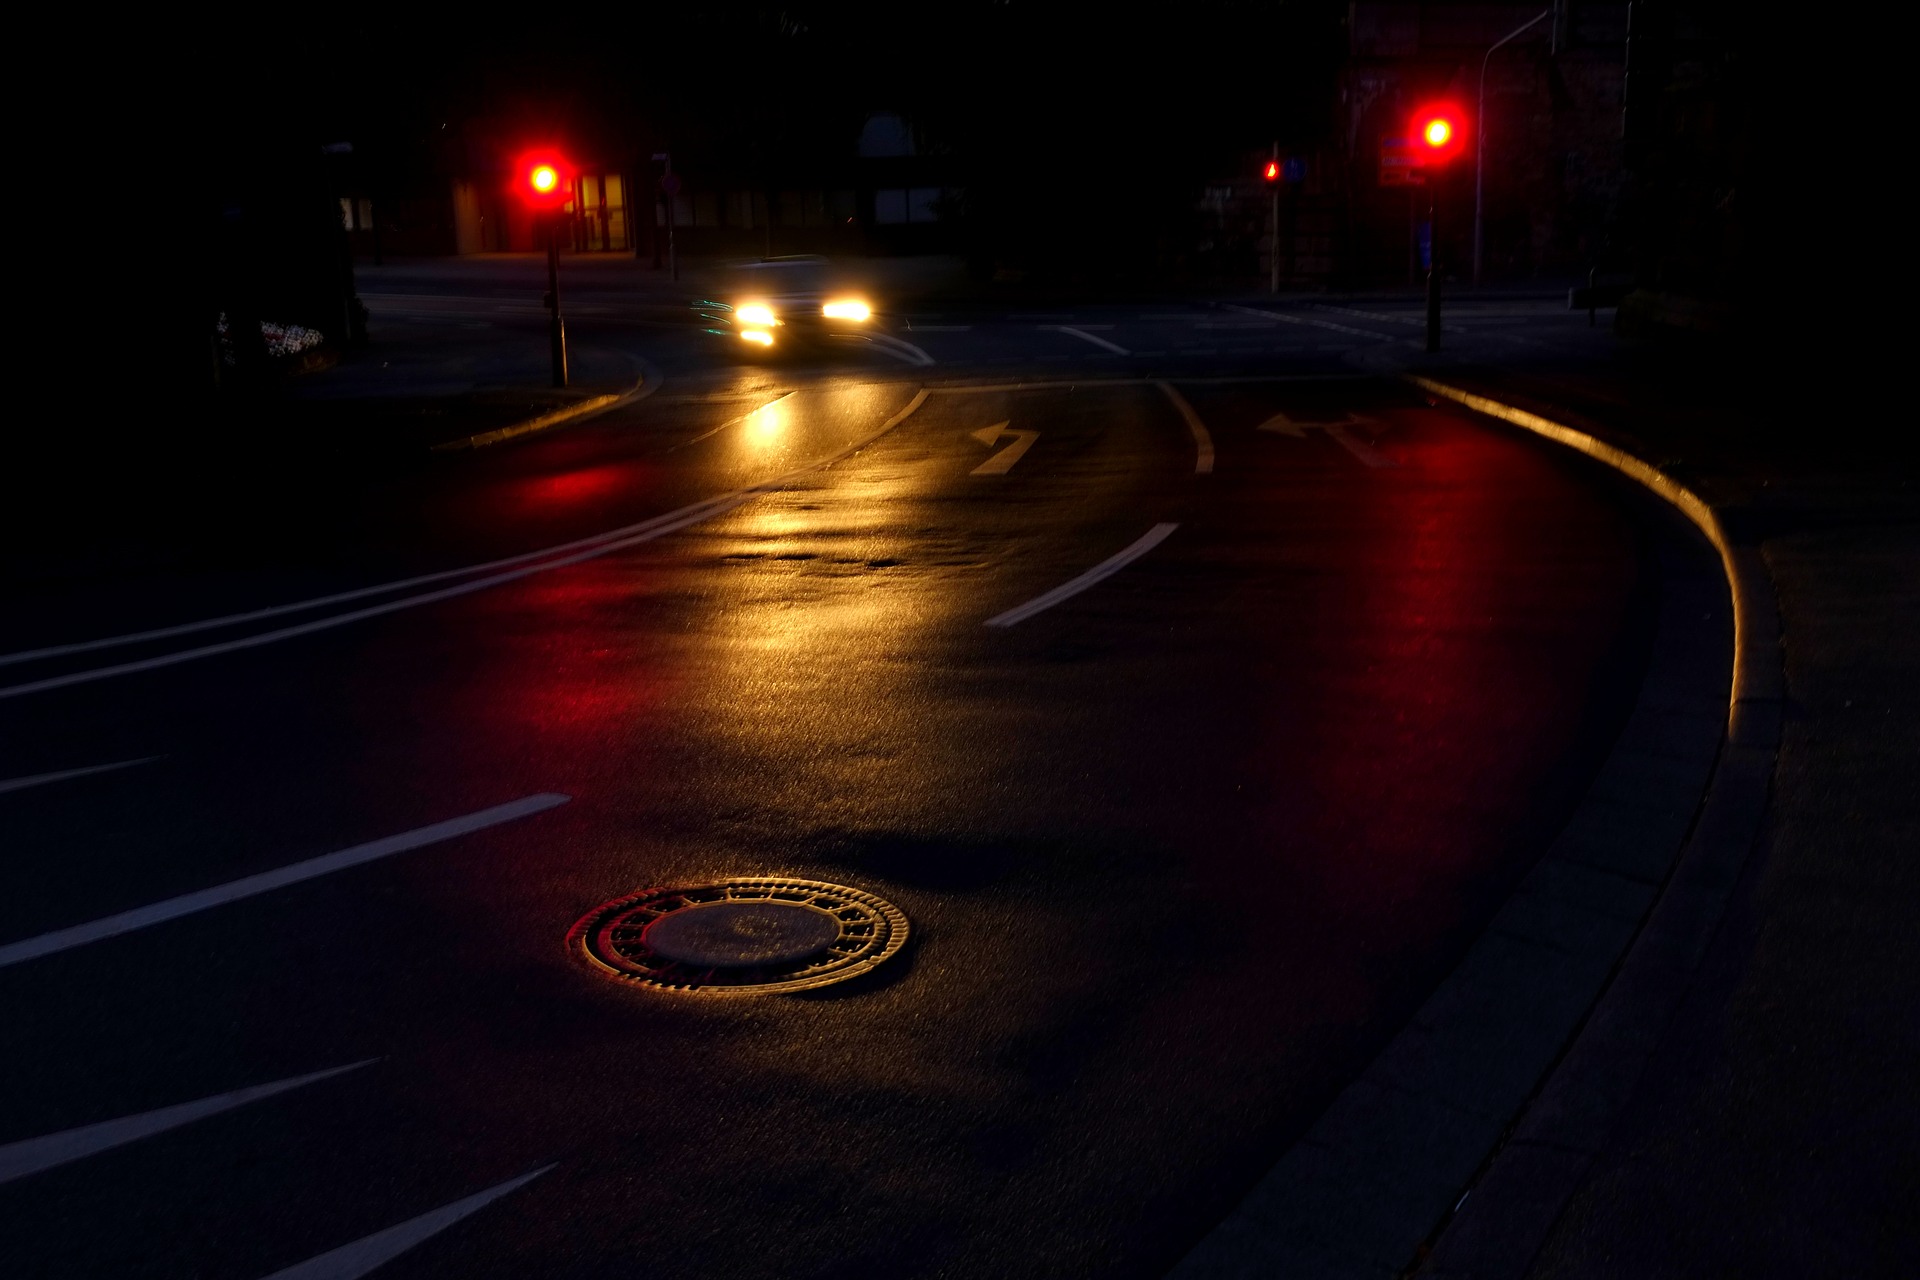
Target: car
<point x="776" y="304"/>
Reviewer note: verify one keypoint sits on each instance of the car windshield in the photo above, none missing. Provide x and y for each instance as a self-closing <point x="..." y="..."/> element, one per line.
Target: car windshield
<point x="781" y="277"/>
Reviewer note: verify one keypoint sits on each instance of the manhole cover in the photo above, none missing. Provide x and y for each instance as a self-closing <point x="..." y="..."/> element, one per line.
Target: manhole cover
<point x="757" y="935"/>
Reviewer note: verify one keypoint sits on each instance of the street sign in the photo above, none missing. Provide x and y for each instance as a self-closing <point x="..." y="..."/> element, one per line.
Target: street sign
<point x="1401" y="163"/>
<point x="1293" y="169"/>
<point x="670" y="184"/>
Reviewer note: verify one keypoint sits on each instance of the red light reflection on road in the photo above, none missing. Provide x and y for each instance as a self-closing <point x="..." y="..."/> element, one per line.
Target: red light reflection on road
<point x="587" y="484"/>
<point x="1460" y="652"/>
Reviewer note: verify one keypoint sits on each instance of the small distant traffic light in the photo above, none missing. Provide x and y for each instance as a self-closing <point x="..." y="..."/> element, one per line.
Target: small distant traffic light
<point x="1272" y="172"/>
<point x="1439" y="133"/>
<point x="543" y="181"/>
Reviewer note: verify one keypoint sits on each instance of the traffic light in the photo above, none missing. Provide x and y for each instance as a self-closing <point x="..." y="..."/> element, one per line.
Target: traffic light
<point x="1439" y="133"/>
<point x="1272" y="172"/>
<point x="544" y="181"/>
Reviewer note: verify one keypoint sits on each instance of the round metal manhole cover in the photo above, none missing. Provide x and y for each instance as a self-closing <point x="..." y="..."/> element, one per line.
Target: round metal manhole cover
<point x="756" y="935"/>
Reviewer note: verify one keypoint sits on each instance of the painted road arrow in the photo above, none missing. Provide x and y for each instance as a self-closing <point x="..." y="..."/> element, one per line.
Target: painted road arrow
<point x="1286" y="426"/>
<point x="1336" y="431"/>
<point x="1001" y="462"/>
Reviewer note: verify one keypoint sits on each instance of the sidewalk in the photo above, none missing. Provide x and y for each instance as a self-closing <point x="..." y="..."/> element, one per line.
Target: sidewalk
<point x="1774" y="1129"/>
<point x="125" y="488"/>
<point x="420" y="383"/>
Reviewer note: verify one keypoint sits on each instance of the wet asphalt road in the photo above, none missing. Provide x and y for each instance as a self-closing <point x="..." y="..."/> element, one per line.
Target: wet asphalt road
<point x="1180" y="852"/>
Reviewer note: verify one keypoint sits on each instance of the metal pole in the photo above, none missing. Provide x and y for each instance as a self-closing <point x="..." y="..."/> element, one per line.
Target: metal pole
<point x="556" y="325"/>
<point x="1433" y="261"/>
<point x="1480" y="130"/>
<point x="1274" y="285"/>
<point x="673" y="198"/>
<point x="654" y="189"/>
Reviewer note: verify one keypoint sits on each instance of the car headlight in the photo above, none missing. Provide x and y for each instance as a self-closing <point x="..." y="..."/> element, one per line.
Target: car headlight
<point x="755" y="313"/>
<point x="846" y="309"/>
<point x="761" y="336"/>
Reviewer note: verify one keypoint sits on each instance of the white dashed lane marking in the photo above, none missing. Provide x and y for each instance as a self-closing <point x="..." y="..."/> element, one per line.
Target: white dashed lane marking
<point x="62" y="775"/>
<point x="37" y="1155"/>
<point x="1094" y="338"/>
<point x="351" y="1261"/>
<point x="187" y="904"/>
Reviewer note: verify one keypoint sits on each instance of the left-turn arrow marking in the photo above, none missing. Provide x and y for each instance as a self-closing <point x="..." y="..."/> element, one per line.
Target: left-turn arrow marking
<point x="1001" y="462"/>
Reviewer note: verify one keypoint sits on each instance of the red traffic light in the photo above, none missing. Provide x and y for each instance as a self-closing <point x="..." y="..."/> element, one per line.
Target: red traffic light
<point x="1272" y="171"/>
<point x="543" y="181"/>
<point x="1439" y="133"/>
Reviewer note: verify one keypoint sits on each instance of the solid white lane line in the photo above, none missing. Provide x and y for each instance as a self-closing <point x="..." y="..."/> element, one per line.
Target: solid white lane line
<point x="42" y="779"/>
<point x="36" y="1155"/>
<point x="1202" y="438"/>
<point x="1358" y="447"/>
<point x="1094" y="338"/>
<point x="1099" y="573"/>
<point x="678" y="521"/>
<point x="361" y="593"/>
<point x="351" y="1261"/>
<point x="648" y="530"/>
<point x="317" y="602"/>
<point x="187" y="904"/>
<point x="734" y="422"/>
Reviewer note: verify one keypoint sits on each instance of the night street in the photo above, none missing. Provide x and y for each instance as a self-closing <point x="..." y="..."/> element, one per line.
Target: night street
<point x="974" y="641"/>
<point x="1179" y="851"/>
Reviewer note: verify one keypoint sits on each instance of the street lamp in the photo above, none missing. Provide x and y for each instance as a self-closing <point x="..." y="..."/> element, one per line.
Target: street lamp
<point x="1480" y="115"/>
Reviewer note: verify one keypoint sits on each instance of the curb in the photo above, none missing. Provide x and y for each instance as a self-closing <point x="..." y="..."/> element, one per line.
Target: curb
<point x="644" y="385"/>
<point x="1455" y="1151"/>
<point x="1506" y="1215"/>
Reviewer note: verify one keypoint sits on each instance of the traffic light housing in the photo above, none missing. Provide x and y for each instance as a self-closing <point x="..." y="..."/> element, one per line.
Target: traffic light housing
<point x="1439" y="133"/>
<point x="1272" y="172"/>
<point x="544" y="181"/>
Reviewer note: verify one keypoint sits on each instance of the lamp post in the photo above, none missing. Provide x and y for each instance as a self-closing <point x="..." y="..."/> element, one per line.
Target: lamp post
<point x="1480" y="124"/>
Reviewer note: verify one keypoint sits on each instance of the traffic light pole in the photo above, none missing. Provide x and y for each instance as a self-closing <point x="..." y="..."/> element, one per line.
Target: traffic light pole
<point x="1433" y="262"/>
<point x="556" y="324"/>
<point x="1274" y="285"/>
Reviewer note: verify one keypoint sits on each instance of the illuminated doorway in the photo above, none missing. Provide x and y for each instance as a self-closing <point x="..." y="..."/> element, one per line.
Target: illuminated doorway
<point x="600" y="222"/>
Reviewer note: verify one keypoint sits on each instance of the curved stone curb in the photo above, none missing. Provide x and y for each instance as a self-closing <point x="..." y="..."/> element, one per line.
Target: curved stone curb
<point x="645" y="384"/>
<point x="1503" y="1220"/>
<point x="1480" y="1093"/>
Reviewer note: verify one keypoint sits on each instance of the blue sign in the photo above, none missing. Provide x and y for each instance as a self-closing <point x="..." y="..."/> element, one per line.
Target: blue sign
<point x="1293" y="169"/>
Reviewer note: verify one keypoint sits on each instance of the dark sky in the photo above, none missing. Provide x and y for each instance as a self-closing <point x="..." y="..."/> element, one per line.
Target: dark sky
<point x="1010" y="84"/>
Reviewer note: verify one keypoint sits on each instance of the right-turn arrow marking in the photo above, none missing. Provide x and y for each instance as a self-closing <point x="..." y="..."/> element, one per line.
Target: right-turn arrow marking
<point x="1001" y="462"/>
